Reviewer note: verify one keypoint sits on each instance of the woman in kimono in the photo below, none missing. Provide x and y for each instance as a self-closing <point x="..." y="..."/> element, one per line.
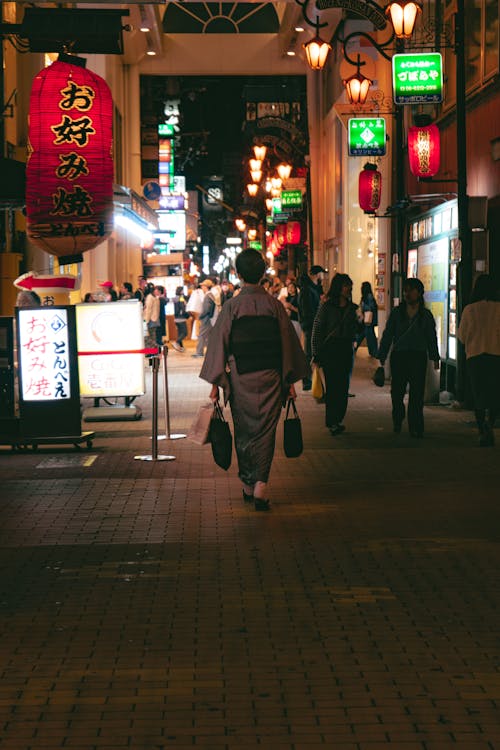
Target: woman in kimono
<point x="255" y="356"/>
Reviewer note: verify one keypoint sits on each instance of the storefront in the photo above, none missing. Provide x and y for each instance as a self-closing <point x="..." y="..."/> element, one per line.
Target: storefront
<point x="433" y="256"/>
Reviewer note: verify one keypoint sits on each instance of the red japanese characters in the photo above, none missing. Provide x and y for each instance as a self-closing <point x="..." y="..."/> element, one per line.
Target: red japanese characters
<point x="69" y="174"/>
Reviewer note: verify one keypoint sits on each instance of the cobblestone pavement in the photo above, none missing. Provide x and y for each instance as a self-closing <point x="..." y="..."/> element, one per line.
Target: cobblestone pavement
<point x="143" y="605"/>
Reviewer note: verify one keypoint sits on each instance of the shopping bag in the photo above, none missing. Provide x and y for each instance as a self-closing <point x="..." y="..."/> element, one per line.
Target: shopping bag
<point x="379" y="377"/>
<point x="221" y="438"/>
<point x="318" y="384"/>
<point x="292" y="432"/>
<point x="200" y="428"/>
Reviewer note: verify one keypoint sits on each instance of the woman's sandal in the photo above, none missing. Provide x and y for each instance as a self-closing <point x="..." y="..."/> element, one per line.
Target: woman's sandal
<point x="247" y="498"/>
<point x="261" y="504"/>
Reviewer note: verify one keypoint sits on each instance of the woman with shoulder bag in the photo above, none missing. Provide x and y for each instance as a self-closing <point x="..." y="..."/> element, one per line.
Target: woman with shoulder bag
<point x="369" y="311"/>
<point x="411" y="329"/>
<point x="334" y="331"/>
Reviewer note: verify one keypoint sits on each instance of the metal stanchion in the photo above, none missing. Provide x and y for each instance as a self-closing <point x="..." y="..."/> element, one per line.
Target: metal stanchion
<point x="154" y="362"/>
<point x="168" y="435"/>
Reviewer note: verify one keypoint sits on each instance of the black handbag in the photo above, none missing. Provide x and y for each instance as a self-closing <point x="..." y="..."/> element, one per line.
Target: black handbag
<point x="379" y="377"/>
<point x="220" y="438"/>
<point x="292" y="432"/>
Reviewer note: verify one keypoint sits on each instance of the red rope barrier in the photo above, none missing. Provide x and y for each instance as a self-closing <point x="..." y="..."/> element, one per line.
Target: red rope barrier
<point x="121" y="351"/>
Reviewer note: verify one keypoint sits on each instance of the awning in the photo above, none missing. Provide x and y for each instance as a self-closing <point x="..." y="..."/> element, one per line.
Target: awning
<point x="129" y="203"/>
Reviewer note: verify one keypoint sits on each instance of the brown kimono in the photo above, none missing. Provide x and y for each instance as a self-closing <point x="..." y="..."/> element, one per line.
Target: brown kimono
<point x="254" y="355"/>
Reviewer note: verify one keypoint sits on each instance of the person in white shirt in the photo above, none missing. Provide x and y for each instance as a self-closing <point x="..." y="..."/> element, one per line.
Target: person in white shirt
<point x="195" y="304"/>
<point x="479" y="331"/>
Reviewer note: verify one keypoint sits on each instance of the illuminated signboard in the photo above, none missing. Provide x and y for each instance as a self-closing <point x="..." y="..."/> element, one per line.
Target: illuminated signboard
<point x="291" y="198"/>
<point x="173" y="223"/>
<point x="417" y="77"/>
<point x="44" y="357"/>
<point x="366" y="136"/>
<point x="107" y="336"/>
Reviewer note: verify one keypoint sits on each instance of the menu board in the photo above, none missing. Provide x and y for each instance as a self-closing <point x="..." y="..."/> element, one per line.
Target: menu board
<point x="110" y="339"/>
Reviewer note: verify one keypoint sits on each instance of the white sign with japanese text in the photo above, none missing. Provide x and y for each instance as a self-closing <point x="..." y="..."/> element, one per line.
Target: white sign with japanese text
<point x="44" y="354"/>
<point x="109" y="337"/>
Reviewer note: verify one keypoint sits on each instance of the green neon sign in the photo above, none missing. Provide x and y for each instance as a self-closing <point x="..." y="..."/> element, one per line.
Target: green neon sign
<point x="255" y="245"/>
<point x="366" y="136"/>
<point x="417" y="77"/>
<point x="167" y="131"/>
<point x="291" y="198"/>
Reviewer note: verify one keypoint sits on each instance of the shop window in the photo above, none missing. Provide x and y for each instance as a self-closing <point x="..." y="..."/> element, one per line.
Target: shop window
<point x="481" y="46"/>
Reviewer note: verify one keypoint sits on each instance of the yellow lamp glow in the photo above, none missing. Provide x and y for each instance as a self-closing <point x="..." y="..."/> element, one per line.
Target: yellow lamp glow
<point x="284" y="170"/>
<point x="403" y="15"/>
<point x="260" y="152"/>
<point x="316" y="52"/>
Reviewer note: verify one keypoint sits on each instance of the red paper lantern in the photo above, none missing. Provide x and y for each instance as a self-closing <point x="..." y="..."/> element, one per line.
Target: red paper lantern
<point x="370" y="188"/>
<point x="69" y="174"/>
<point x="280" y="235"/>
<point x="424" y="150"/>
<point x="293" y="232"/>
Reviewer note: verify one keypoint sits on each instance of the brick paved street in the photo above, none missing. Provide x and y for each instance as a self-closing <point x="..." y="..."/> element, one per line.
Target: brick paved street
<point x="144" y="606"/>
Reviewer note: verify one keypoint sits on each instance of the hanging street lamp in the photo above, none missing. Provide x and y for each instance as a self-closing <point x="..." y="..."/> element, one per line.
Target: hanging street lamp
<point x="403" y="15"/>
<point x="316" y="50"/>
<point x="357" y="86"/>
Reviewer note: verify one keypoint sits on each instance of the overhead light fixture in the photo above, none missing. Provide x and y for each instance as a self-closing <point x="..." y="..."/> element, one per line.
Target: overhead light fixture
<point x="357" y="86"/>
<point x="145" y="25"/>
<point x="284" y="170"/>
<point x="151" y="52"/>
<point x="260" y="152"/>
<point x="316" y="50"/>
<point x="252" y="189"/>
<point x="255" y="164"/>
<point x="299" y="28"/>
<point x="403" y="15"/>
<point x="290" y="53"/>
<point x="256" y="175"/>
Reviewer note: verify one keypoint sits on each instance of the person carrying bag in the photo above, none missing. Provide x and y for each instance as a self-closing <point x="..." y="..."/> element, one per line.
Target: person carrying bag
<point x="220" y="437"/>
<point x="292" y="432"/>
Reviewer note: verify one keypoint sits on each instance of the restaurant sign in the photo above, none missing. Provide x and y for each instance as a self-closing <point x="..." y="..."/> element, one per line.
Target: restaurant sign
<point x="366" y="136"/>
<point x="417" y="77"/>
<point x="291" y="199"/>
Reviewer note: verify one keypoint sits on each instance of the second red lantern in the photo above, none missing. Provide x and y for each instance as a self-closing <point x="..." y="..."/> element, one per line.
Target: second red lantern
<point x="370" y="188"/>
<point x="293" y="232"/>
<point x="424" y="150"/>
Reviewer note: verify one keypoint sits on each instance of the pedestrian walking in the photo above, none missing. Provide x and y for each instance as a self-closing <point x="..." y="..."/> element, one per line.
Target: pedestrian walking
<point x="369" y="311"/>
<point x="311" y="290"/>
<point x="411" y="330"/>
<point x="180" y="317"/>
<point x="335" y="328"/>
<point x="255" y="357"/>
<point x="290" y="302"/>
<point x="208" y="311"/>
<point x="479" y="331"/>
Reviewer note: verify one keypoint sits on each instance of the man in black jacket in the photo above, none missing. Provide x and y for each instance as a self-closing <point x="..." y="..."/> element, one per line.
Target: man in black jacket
<point x="310" y="293"/>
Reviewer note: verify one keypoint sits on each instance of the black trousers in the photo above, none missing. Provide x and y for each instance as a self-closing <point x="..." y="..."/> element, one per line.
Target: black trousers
<point x="307" y="351"/>
<point x="408" y="368"/>
<point x="337" y="376"/>
<point x="484" y="374"/>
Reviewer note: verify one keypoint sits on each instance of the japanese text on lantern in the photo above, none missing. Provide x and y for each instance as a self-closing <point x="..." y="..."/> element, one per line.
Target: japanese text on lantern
<point x="74" y="132"/>
<point x="44" y="354"/>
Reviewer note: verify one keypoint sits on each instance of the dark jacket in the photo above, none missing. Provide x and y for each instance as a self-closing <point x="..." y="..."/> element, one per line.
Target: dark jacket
<point x="180" y="313"/>
<point x="334" y="328"/>
<point x="409" y="334"/>
<point x="309" y="299"/>
<point x="368" y="304"/>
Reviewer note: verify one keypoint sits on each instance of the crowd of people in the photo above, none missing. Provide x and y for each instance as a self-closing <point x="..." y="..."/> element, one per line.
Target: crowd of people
<point x="328" y="328"/>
